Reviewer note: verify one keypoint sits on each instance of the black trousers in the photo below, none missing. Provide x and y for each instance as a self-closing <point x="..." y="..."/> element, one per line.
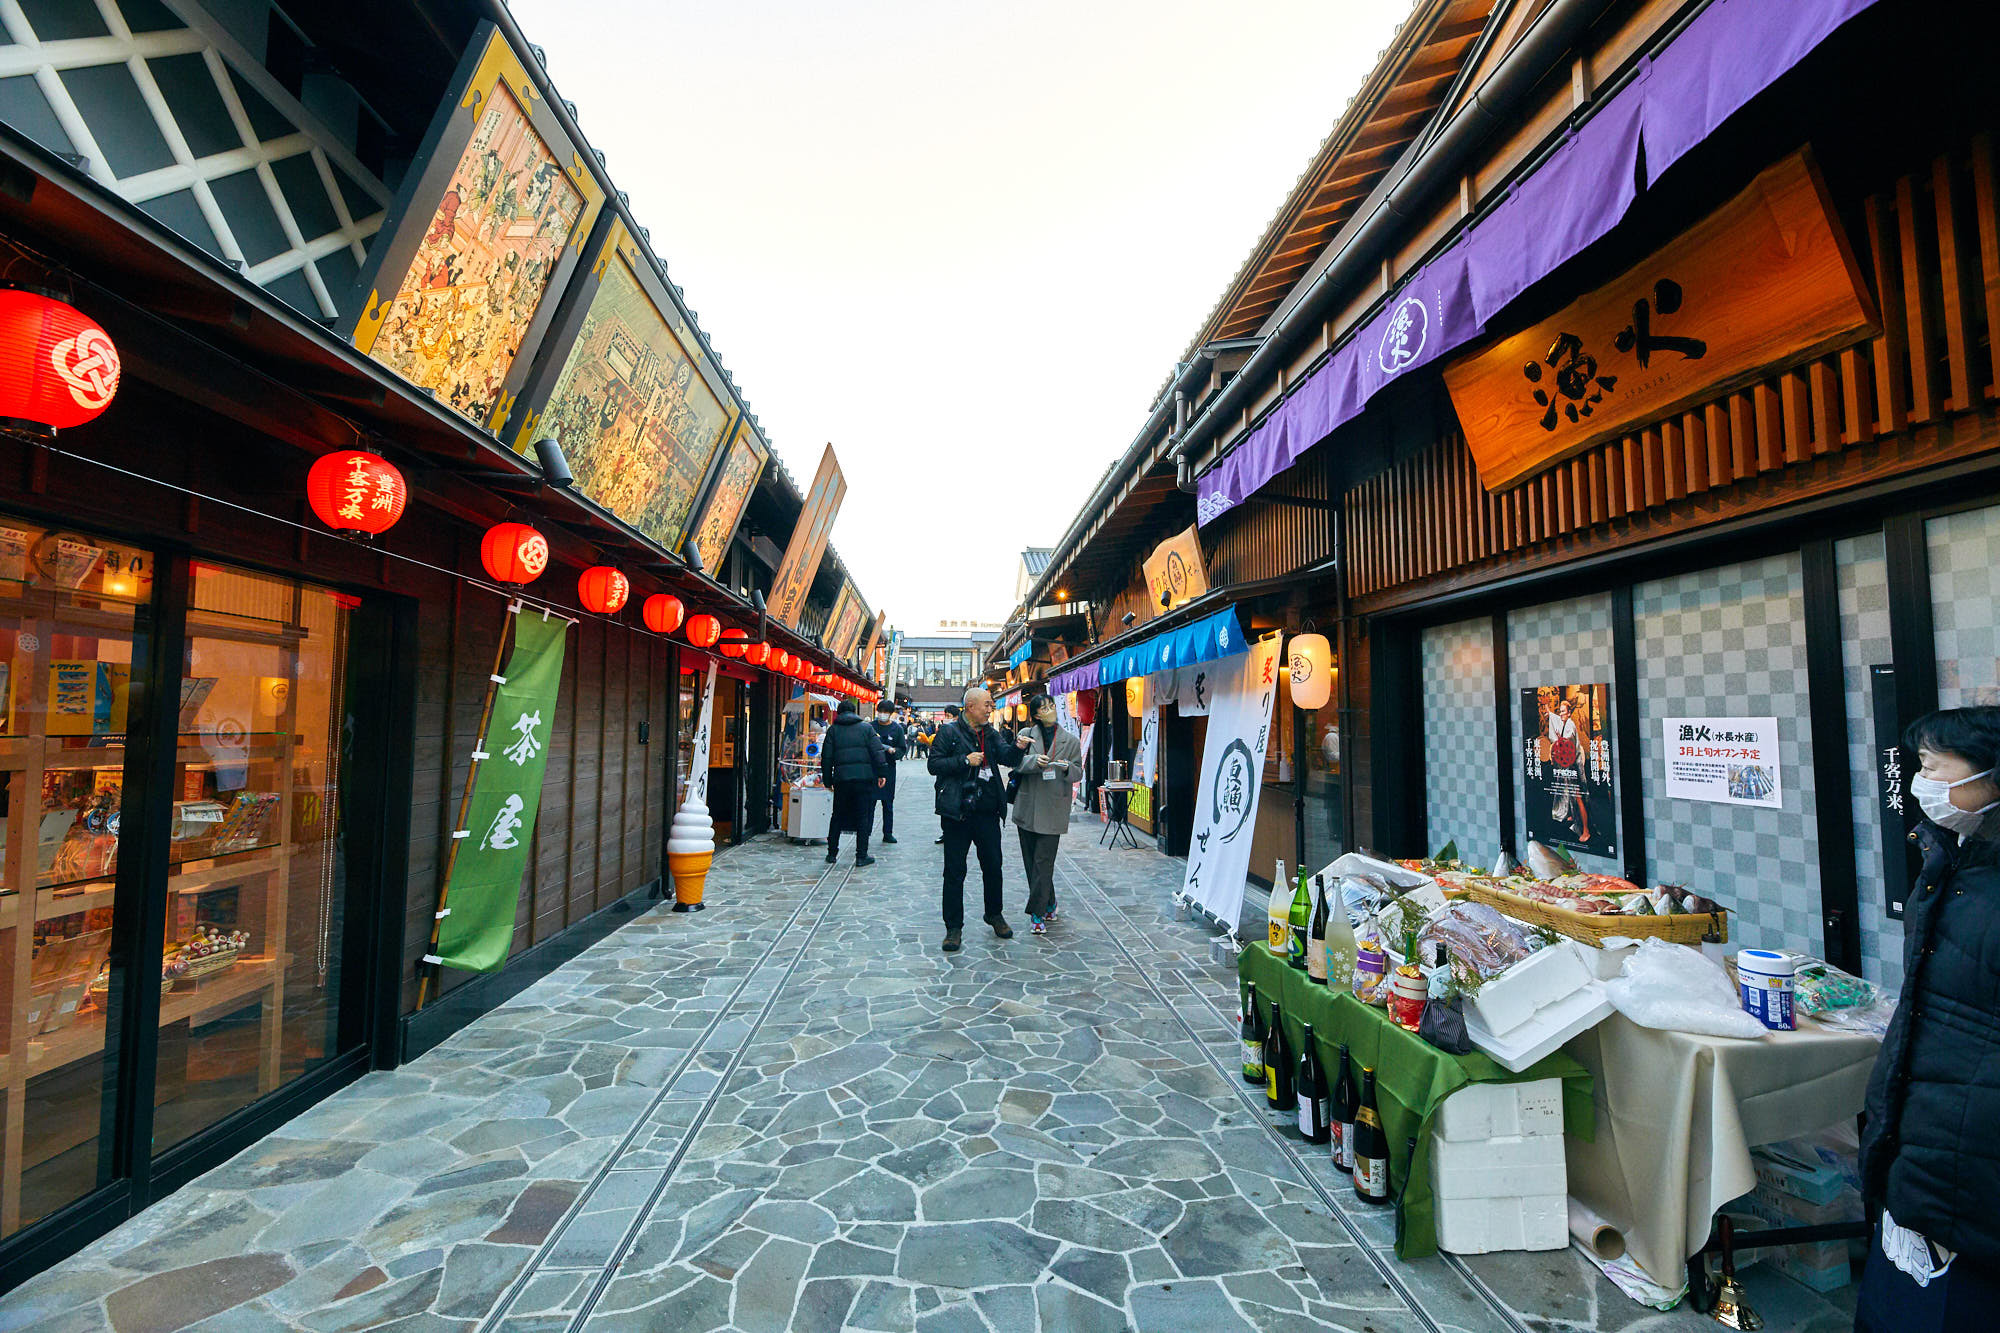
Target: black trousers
<point x="853" y="812"/>
<point x="960" y="836"/>
<point x="887" y="795"/>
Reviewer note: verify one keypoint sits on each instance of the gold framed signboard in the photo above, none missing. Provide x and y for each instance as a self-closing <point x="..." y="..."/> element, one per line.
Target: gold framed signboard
<point x="742" y="465"/>
<point x="843" y="626"/>
<point x="629" y="394"/>
<point x="489" y="225"/>
<point x="794" y="578"/>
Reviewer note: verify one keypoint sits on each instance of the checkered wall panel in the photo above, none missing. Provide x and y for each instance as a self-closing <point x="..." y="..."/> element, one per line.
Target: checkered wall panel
<point x="1462" y="789"/>
<point x="1561" y="643"/>
<point x="1730" y="642"/>
<point x="1965" y="606"/>
<point x="1864" y="642"/>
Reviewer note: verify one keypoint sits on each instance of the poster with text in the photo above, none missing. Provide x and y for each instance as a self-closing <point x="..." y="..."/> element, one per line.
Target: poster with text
<point x="1727" y="760"/>
<point x="1232" y="760"/>
<point x="1566" y="767"/>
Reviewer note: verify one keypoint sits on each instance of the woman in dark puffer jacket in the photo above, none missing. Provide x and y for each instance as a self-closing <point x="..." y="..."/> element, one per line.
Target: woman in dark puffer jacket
<point x="1930" y="1150"/>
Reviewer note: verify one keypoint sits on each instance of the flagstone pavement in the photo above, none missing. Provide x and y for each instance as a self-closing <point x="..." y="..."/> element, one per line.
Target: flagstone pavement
<point x="792" y="1111"/>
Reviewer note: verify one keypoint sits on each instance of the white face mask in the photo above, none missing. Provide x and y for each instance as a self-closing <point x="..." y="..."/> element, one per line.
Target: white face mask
<point x="1934" y="797"/>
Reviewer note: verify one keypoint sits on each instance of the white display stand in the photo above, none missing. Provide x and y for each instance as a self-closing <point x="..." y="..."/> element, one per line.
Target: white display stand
<point x="808" y="810"/>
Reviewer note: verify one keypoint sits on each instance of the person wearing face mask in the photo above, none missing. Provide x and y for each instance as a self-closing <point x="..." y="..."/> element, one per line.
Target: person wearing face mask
<point x="1930" y="1145"/>
<point x="1041" y="805"/>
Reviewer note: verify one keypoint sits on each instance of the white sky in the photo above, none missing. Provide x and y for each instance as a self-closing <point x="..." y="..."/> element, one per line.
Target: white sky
<point x="962" y="242"/>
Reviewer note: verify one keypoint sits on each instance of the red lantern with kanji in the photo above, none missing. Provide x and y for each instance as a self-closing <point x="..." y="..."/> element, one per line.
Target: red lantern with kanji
<point x="757" y="654"/>
<point x="703" y="630"/>
<point x="663" y="613"/>
<point x="57" y="368"/>
<point x="781" y="660"/>
<point x="734" y="642"/>
<point x="356" y="491"/>
<point x="603" y="589"/>
<point x="514" y="553"/>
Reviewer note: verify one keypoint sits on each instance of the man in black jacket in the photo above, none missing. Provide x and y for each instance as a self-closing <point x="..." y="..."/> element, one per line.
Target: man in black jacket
<point x="950" y="718"/>
<point x="965" y="760"/>
<point x="895" y="744"/>
<point x="852" y="765"/>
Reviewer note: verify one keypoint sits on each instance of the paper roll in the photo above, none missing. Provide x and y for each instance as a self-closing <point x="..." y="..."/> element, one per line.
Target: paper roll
<point x="1596" y="1235"/>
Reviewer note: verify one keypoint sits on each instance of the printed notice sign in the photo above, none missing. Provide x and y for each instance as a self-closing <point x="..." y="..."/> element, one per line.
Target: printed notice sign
<point x="1728" y="760"/>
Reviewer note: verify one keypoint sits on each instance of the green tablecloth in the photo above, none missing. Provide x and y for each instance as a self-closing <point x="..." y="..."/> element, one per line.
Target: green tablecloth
<point x="1412" y="1078"/>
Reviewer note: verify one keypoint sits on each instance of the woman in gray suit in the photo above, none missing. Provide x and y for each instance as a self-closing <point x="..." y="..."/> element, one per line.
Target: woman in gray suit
<point x="1041" y="809"/>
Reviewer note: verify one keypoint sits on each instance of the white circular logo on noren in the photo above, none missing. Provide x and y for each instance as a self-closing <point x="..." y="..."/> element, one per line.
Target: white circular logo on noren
<point x="1403" y="340"/>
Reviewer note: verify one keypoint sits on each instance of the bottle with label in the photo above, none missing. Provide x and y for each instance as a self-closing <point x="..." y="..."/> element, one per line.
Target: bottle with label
<point x="1346" y="1103"/>
<point x="1278" y="1067"/>
<point x="1301" y="920"/>
<point x="1341" y="946"/>
<point x="1280" y="922"/>
<point x="1316" y="936"/>
<point x="1371" y="1145"/>
<point x="1253" y="1040"/>
<point x="1315" y="1103"/>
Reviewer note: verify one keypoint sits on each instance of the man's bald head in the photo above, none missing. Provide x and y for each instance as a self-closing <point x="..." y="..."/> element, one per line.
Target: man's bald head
<point x="978" y="706"/>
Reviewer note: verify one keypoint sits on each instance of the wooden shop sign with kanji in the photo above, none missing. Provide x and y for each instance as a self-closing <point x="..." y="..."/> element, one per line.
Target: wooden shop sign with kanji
<point x="1764" y="282"/>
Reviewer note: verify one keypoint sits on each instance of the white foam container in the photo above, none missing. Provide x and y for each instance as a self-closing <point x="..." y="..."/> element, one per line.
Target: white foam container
<point x="1542" y="1034"/>
<point x="1483" y="1111"/>
<point x="1540" y="980"/>
<point x="1484" y="1226"/>
<point x="1499" y="1168"/>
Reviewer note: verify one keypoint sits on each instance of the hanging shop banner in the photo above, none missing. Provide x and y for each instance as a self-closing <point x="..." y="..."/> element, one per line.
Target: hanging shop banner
<point x="795" y="574"/>
<point x="1176" y="571"/>
<point x="741" y="467"/>
<point x="1764" y="282"/>
<point x="639" y="409"/>
<point x="489" y="224"/>
<point x="1232" y="764"/>
<point x="1144" y="758"/>
<point x="485" y="883"/>
<point x="697" y="787"/>
<point x="1567" y="767"/>
<point x="1194" y="687"/>
<point x="1727" y="760"/>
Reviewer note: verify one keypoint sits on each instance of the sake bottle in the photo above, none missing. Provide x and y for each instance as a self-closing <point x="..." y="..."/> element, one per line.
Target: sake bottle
<point x="1315" y="1105"/>
<point x="1278" y="1069"/>
<point x="1371" y="1146"/>
<point x="1316" y="938"/>
<point x="1253" y="1040"/>
<point x="1280" y="920"/>
<point x="1346" y="1104"/>
<point x="1341" y="946"/>
<point x="1300" y="921"/>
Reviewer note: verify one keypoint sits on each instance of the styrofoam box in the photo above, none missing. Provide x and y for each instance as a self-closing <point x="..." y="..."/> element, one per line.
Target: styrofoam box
<point x="1547" y="1030"/>
<point x="1500" y="1168"/>
<point x="1502" y="1110"/>
<point x="1482" y="1226"/>
<point x="1505" y="1002"/>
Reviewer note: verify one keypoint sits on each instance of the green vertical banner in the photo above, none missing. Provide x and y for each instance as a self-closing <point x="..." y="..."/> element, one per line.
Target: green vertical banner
<point x="485" y="883"/>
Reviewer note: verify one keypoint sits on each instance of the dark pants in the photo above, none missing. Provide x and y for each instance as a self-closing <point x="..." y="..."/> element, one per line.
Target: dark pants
<point x="960" y="835"/>
<point x="853" y="812"/>
<point x="887" y="795"/>
<point x="1959" y="1300"/>
<point x="1038" y="858"/>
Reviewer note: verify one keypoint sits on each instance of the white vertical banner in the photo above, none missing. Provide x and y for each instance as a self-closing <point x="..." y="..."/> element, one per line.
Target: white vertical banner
<point x="1232" y="775"/>
<point x="1143" y="761"/>
<point x="697" y="788"/>
<point x="1066" y="716"/>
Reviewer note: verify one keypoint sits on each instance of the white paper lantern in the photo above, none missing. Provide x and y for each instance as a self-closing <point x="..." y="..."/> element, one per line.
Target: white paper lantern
<point x="1135" y="696"/>
<point x="1311" y="662"/>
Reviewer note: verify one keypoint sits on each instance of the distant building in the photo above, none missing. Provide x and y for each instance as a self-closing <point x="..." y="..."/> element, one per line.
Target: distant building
<point x="933" y="669"/>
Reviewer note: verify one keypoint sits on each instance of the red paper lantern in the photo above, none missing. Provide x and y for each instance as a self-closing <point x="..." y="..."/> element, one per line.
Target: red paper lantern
<point x="781" y="660"/>
<point x="57" y="368"/>
<point x="603" y="589"/>
<point x="514" y="553"/>
<point x="663" y="613"/>
<point x="703" y="630"/>
<point x="734" y="642"/>
<point x="1086" y="707"/>
<point x="355" y="491"/>
<point x="757" y="654"/>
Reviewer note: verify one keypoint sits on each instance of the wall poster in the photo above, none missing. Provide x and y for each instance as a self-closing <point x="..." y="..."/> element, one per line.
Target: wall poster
<point x="1728" y="760"/>
<point x="638" y="410"/>
<point x="742" y="466"/>
<point x="1567" y="767"/>
<point x="489" y="224"/>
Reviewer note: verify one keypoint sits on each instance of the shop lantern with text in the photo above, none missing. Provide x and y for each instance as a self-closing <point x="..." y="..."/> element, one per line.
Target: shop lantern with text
<point x="1310" y="659"/>
<point x="735" y="642"/>
<point x="356" y="491"/>
<point x="1135" y="695"/>
<point x="514" y="553"/>
<point x="757" y="654"/>
<point x="603" y="590"/>
<point x="663" y="613"/>
<point x="703" y="630"/>
<point x="57" y="368"/>
<point x="781" y="661"/>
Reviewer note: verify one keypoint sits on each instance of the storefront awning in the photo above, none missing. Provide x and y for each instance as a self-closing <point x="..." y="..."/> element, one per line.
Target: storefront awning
<point x="1021" y="654"/>
<point x="1211" y="637"/>
<point x="1732" y="51"/>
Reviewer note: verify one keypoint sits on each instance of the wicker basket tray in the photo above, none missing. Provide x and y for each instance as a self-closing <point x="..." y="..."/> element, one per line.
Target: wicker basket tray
<point x="1687" y="928"/>
<point x="199" y="968"/>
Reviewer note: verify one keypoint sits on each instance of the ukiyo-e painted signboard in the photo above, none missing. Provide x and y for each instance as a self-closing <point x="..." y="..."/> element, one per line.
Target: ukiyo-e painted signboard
<point x="1765" y="281"/>
<point x="458" y="291"/>
<point x="850" y="616"/>
<point x="627" y="392"/>
<point x="742" y="465"/>
<point x="794" y="578"/>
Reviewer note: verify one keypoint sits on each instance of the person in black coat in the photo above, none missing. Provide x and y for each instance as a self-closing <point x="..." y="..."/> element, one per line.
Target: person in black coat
<point x="965" y="759"/>
<point x="895" y="744"/>
<point x="1930" y="1146"/>
<point x="853" y="765"/>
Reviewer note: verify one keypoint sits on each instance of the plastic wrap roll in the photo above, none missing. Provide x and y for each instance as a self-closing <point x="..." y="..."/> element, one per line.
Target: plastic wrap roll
<point x="1594" y="1233"/>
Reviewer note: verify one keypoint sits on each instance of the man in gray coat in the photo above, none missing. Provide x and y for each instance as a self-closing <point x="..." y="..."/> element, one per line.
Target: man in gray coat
<point x="1041" y="807"/>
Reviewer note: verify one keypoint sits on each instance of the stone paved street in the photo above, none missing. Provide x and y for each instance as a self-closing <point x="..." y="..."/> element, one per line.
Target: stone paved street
<point x="793" y="1112"/>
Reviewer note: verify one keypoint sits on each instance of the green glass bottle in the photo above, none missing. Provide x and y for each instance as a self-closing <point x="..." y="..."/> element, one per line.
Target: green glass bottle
<point x="1301" y="922"/>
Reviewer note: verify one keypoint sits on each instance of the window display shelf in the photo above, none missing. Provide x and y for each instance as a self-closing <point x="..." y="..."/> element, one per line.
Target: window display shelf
<point x="225" y="872"/>
<point x="196" y="1001"/>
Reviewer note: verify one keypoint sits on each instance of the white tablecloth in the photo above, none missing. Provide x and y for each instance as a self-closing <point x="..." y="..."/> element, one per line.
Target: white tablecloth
<point x="1677" y="1115"/>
